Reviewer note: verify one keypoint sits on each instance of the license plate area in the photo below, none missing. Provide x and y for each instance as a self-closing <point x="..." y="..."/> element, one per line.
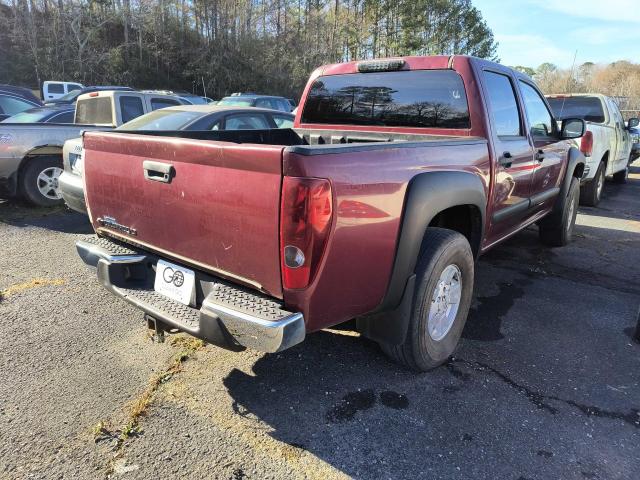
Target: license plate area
<point x="175" y="282"/>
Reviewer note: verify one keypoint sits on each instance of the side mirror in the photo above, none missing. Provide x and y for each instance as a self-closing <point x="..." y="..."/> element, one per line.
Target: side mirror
<point x="572" y="128"/>
<point x="633" y="122"/>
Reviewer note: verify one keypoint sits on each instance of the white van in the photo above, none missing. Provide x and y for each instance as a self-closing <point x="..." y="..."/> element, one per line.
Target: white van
<point x="52" y="90"/>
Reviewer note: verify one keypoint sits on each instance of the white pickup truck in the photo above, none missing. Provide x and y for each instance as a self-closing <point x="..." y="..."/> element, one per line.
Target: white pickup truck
<point x="31" y="153"/>
<point x="606" y="143"/>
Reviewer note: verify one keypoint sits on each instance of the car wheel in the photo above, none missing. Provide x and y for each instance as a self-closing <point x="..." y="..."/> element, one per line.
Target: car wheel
<point x="39" y="181"/>
<point x="621" y="176"/>
<point x="556" y="229"/>
<point x="442" y="297"/>
<point x="591" y="193"/>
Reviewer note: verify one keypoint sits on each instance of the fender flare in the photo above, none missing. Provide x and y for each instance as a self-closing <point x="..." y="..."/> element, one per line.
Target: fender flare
<point x="428" y="194"/>
<point x="575" y="158"/>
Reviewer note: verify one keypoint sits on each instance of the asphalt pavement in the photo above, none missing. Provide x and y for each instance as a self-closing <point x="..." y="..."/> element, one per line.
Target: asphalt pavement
<point x="545" y="384"/>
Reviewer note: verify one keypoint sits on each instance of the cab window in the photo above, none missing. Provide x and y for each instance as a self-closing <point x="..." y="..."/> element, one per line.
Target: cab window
<point x="55" y="88"/>
<point x="246" y="122"/>
<point x="540" y="119"/>
<point x="283" y="121"/>
<point x="157" y="103"/>
<point x="130" y="108"/>
<point x="503" y="104"/>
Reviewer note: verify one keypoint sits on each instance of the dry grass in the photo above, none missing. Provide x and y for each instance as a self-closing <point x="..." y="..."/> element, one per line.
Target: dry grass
<point x="139" y="406"/>
<point x="35" y="283"/>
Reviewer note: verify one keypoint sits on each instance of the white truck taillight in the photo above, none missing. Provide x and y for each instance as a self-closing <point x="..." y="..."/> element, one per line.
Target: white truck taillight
<point x="306" y="209"/>
<point x="586" y="144"/>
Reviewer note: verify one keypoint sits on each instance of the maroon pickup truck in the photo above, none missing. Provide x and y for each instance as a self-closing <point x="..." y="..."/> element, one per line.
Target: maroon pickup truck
<point x="397" y="174"/>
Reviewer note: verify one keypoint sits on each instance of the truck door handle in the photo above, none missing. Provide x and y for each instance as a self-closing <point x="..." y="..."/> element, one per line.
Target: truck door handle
<point x="539" y="155"/>
<point x="158" y="171"/>
<point x="506" y="159"/>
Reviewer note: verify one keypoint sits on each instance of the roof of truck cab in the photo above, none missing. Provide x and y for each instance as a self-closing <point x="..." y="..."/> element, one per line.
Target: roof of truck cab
<point x="566" y="95"/>
<point x="219" y="108"/>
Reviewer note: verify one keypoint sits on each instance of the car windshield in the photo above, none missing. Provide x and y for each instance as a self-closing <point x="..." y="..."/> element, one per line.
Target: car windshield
<point x="587" y="108"/>
<point x="28" y="117"/>
<point x="194" y="99"/>
<point x="72" y="95"/>
<point x="236" y="101"/>
<point x="161" y="120"/>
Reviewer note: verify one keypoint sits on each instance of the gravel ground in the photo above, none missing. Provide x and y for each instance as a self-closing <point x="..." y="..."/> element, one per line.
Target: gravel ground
<point x="546" y="383"/>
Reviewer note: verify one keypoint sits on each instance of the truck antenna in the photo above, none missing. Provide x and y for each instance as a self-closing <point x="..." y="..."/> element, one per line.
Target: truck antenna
<point x="573" y="65"/>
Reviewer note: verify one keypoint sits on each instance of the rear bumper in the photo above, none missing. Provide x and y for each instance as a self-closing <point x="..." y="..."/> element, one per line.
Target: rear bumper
<point x="72" y="189"/>
<point x="228" y="315"/>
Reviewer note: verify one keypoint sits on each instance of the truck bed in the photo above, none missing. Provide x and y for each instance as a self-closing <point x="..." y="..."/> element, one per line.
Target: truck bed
<point x="219" y="212"/>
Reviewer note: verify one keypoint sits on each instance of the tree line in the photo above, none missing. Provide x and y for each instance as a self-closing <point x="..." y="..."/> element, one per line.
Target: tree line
<point x="223" y="46"/>
<point x="620" y="80"/>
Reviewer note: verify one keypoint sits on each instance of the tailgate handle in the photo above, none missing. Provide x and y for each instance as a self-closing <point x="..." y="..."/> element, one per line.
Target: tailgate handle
<point x="158" y="171"/>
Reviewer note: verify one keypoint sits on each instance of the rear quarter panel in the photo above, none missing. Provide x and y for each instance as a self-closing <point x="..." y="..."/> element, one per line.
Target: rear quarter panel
<point x="369" y="188"/>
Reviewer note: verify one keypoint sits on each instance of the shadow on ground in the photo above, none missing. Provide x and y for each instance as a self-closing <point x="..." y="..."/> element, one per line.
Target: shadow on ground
<point x="546" y="364"/>
<point x="58" y="219"/>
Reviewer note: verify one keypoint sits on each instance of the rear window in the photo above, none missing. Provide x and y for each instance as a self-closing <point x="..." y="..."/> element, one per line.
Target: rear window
<point x="235" y="101"/>
<point x="27" y="117"/>
<point x="587" y="108"/>
<point x="161" y="120"/>
<point x="94" y="110"/>
<point x="13" y="105"/>
<point x="418" y="98"/>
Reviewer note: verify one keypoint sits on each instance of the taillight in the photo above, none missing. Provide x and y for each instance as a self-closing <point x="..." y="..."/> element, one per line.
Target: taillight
<point x="586" y="144"/>
<point x="304" y="227"/>
<point x="94" y="94"/>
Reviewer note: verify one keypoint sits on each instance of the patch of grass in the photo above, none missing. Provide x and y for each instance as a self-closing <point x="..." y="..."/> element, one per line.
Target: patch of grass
<point x="139" y="406"/>
<point x="35" y="283"/>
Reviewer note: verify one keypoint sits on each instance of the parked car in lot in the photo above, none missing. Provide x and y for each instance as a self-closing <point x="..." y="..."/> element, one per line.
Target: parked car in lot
<point x="31" y="153"/>
<point x="606" y="143"/>
<point x="54" y="90"/>
<point x="71" y="97"/>
<point x="54" y="114"/>
<point x="397" y="175"/>
<point x="185" y="117"/>
<point x="14" y="100"/>
<point x="260" y="101"/>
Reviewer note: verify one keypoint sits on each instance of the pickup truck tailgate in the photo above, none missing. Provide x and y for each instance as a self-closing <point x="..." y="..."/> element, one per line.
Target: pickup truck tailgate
<point x="217" y="207"/>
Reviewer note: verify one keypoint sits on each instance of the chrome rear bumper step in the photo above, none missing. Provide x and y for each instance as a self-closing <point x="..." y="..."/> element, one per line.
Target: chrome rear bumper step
<point x="229" y="315"/>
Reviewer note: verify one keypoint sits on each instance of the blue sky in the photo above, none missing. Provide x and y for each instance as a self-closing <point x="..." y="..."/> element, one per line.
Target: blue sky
<point x="532" y="32"/>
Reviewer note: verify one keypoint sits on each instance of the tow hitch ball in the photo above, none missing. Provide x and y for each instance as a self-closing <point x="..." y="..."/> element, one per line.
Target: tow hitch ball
<point x="156" y="329"/>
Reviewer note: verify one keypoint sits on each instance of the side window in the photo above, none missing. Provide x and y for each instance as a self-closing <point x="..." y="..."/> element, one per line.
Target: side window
<point x="246" y="121"/>
<point x="157" y="103"/>
<point x="264" y="103"/>
<point x="73" y="87"/>
<point x="130" y="108"/>
<point x="13" y="105"/>
<point x="66" y="117"/>
<point x="55" y="88"/>
<point x="283" y="121"/>
<point x="503" y="104"/>
<point x="540" y="119"/>
<point x="283" y="105"/>
<point x="613" y="106"/>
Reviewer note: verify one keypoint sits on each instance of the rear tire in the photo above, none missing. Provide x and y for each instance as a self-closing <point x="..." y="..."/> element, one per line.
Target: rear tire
<point x="39" y="181"/>
<point x="442" y="297"/>
<point x="556" y="229"/>
<point x="591" y="193"/>
<point x="621" y="176"/>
